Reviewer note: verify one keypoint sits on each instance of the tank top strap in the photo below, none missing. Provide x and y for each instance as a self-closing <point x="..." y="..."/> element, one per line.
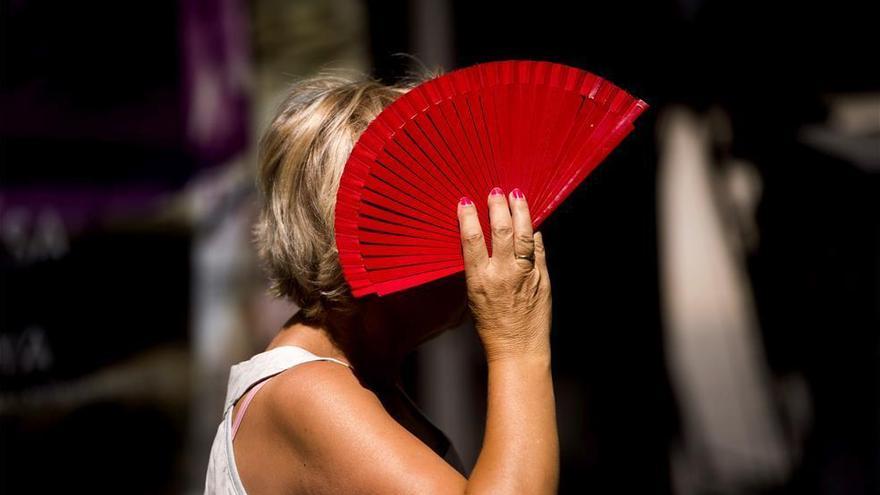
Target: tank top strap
<point x="244" y="375"/>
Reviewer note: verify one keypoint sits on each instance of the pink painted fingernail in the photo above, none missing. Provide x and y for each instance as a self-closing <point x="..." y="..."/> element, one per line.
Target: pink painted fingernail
<point x="496" y="191"/>
<point x="518" y="194"/>
<point x="465" y="201"/>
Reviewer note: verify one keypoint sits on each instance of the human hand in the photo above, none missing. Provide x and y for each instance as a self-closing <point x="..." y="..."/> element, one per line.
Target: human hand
<point x="509" y="293"/>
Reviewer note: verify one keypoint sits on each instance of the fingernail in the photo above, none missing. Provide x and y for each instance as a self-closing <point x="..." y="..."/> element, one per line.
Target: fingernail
<point x="517" y="194"/>
<point x="496" y="191"/>
<point x="465" y="201"/>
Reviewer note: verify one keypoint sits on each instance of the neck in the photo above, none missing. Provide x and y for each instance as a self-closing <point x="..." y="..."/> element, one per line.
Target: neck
<point x="375" y="354"/>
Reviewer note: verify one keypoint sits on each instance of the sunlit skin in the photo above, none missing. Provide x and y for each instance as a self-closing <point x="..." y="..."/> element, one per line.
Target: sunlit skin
<point x="321" y="428"/>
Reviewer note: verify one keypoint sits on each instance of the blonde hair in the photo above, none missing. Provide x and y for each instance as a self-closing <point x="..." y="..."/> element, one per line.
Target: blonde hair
<point x="301" y="158"/>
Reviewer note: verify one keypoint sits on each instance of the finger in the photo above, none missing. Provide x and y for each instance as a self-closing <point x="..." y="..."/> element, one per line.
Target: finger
<point x="523" y="238"/>
<point x="540" y="254"/>
<point x="473" y="246"/>
<point x="502" y="225"/>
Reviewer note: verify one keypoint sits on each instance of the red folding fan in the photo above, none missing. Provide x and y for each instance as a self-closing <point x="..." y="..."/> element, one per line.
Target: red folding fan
<point x="538" y="126"/>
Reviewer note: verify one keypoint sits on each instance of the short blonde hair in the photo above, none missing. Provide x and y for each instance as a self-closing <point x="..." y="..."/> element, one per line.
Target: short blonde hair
<point x="301" y="158"/>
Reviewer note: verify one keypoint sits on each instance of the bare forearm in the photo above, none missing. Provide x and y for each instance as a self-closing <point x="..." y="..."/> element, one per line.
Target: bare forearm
<point x="509" y="297"/>
<point x="521" y="447"/>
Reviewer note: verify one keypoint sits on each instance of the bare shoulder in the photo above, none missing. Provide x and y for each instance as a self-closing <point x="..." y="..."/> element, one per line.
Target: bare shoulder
<point x="308" y="395"/>
<point x="347" y="441"/>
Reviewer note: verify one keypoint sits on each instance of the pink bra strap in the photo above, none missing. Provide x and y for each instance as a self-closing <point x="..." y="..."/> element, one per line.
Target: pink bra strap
<point x="244" y="405"/>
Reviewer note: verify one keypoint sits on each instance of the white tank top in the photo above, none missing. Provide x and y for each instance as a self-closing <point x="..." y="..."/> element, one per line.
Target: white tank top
<point x="222" y="475"/>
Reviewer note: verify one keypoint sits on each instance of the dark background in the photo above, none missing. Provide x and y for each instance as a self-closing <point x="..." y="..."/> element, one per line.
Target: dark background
<point x="99" y="270"/>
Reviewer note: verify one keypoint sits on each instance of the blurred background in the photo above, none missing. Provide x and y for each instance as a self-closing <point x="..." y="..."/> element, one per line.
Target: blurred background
<point x="716" y="280"/>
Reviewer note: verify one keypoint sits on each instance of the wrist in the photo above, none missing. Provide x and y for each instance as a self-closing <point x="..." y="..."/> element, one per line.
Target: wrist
<point x="532" y="356"/>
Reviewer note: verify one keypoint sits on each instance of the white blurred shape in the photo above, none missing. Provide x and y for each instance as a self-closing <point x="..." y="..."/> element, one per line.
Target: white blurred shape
<point x="730" y="437"/>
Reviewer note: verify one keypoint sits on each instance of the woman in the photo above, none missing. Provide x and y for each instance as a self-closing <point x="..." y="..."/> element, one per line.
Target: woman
<point x="320" y="411"/>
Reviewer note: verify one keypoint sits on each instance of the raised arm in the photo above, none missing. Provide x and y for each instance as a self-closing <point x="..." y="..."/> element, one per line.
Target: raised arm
<point x="345" y="441"/>
<point x="509" y="296"/>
